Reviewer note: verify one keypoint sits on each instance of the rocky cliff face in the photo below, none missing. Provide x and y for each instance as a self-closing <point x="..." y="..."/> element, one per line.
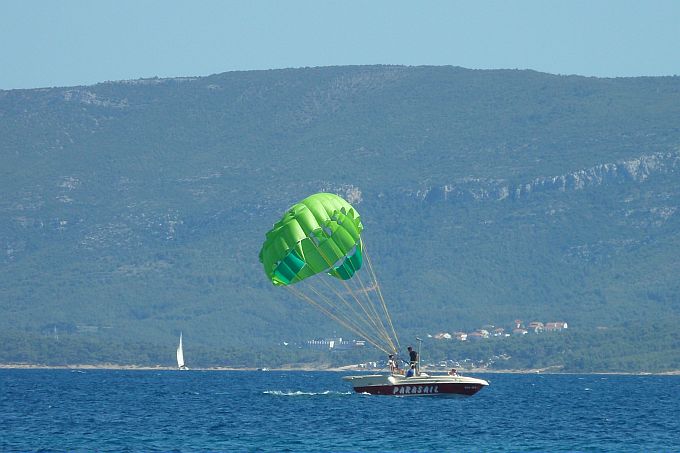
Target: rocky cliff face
<point x="636" y="170"/>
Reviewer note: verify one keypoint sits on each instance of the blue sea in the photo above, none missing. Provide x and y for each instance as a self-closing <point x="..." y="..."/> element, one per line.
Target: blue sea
<point x="106" y="410"/>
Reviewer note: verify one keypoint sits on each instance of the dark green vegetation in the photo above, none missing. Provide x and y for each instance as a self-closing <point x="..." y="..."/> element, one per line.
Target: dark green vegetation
<point x="132" y="210"/>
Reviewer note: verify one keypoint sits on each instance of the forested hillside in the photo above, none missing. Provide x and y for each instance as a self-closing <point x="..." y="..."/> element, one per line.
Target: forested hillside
<point x="131" y="211"/>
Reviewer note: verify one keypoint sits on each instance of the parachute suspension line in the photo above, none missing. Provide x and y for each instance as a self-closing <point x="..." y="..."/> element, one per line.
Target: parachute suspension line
<point x="375" y="319"/>
<point x="372" y="304"/>
<point x="339" y="295"/>
<point x="329" y="313"/>
<point x="326" y="281"/>
<point x="349" y="289"/>
<point x="380" y="296"/>
<point x="367" y="319"/>
<point x="349" y="320"/>
<point x="306" y="298"/>
<point x="378" y="323"/>
<point x="379" y="291"/>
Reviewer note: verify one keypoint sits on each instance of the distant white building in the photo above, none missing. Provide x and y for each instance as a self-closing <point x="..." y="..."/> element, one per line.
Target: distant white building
<point x="460" y="336"/>
<point x="555" y="326"/>
<point x="335" y="343"/>
<point x="536" y="326"/>
<point x="477" y="335"/>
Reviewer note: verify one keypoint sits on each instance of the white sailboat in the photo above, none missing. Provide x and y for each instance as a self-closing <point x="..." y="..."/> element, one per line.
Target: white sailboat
<point x="180" y="355"/>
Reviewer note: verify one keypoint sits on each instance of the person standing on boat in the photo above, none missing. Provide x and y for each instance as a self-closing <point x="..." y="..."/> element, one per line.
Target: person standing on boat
<point x="392" y="363"/>
<point x="413" y="357"/>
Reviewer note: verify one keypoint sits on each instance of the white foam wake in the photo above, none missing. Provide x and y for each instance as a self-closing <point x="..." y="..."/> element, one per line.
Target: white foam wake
<point x="301" y="393"/>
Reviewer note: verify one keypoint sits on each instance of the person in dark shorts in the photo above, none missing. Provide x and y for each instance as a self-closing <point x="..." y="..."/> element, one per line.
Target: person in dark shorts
<point x="413" y="357"/>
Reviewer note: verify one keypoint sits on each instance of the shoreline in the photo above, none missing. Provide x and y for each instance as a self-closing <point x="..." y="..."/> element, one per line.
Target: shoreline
<point x="347" y="368"/>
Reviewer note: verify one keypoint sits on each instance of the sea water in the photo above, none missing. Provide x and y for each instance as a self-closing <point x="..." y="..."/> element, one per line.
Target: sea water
<point x="105" y="410"/>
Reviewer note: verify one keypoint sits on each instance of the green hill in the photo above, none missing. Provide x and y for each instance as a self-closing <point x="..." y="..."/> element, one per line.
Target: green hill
<point x="133" y="210"/>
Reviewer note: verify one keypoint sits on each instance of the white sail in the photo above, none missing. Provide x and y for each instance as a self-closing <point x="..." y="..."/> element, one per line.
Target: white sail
<point x="180" y="353"/>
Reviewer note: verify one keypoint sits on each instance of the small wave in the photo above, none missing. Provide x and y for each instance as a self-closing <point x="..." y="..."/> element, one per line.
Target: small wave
<point x="301" y="393"/>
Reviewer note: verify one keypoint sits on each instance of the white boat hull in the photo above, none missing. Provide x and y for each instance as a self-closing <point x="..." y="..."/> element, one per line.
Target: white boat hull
<point x="423" y="385"/>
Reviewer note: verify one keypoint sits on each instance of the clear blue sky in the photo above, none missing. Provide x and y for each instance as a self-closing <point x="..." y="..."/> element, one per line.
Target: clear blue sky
<point x="74" y="42"/>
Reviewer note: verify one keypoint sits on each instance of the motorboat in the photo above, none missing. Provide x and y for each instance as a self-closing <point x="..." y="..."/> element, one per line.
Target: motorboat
<point x="421" y="385"/>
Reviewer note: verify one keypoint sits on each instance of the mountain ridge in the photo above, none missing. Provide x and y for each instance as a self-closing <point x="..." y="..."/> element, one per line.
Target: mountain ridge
<point x="498" y="194"/>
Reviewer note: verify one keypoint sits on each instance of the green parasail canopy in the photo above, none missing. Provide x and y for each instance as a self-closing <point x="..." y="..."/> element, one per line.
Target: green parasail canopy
<point x="319" y="234"/>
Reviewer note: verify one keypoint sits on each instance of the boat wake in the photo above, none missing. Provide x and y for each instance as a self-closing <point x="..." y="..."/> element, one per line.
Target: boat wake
<point x="300" y="393"/>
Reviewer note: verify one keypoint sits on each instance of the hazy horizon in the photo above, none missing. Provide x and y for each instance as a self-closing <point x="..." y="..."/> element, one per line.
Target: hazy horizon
<point x="76" y="42"/>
